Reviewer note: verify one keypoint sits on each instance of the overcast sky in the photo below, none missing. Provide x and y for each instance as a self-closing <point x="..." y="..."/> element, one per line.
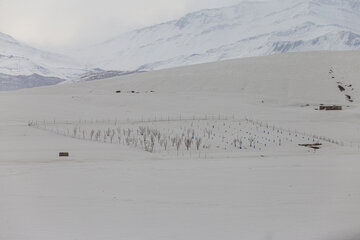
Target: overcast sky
<point x="57" y="24"/>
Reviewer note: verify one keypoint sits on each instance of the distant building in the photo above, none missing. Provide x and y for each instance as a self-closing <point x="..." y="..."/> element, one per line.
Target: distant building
<point x="330" y="108"/>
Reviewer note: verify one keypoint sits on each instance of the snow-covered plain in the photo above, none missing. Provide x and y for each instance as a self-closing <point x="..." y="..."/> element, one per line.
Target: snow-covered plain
<point x="114" y="191"/>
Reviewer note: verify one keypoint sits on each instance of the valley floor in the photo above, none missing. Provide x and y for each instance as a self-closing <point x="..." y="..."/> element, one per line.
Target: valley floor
<point x="110" y="191"/>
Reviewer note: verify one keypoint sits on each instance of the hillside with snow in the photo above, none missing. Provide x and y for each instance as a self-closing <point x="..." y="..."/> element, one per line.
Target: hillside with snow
<point x="247" y="29"/>
<point x="20" y="59"/>
<point x="24" y="66"/>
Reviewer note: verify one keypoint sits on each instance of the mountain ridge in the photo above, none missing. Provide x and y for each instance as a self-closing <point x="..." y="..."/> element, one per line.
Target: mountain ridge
<point x="247" y="29"/>
<point x="199" y="33"/>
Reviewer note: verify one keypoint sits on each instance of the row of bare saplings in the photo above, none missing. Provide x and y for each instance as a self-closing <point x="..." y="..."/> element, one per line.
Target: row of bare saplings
<point x="145" y="137"/>
<point x="296" y="132"/>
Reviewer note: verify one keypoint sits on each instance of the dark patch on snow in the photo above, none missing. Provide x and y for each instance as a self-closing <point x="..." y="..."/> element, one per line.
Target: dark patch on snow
<point x="91" y="76"/>
<point x="283" y="47"/>
<point x="341" y="88"/>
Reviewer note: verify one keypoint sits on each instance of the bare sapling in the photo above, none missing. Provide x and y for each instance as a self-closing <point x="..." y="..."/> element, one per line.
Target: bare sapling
<point x="108" y="132"/>
<point x="142" y="130"/>
<point x="187" y="143"/>
<point x="92" y="134"/>
<point x="152" y="138"/>
<point x="75" y="132"/>
<point x="173" y="141"/>
<point x="178" y="143"/>
<point x="165" y="143"/>
<point x="251" y="141"/>
<point x="97" y="135"/>
<point x="198" y="143"/>
<point x="112" y="136"/>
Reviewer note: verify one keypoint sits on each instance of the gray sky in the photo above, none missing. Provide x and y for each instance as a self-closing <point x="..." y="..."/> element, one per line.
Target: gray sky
<point x="56" y="24"/>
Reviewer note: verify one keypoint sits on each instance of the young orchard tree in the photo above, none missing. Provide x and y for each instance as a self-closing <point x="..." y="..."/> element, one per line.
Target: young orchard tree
<point x="149" y="146"/>
<point x="208" y="132"/>
<point x="146" y="146"/>
<point x="108" y="132"/>
<point x="142" y="130"/>
<point x="129" y="132"/>
<point x="165" y="143"/>
<point x="178" y="143"/>
<point x="92" y="134"/>
<point x="173" y="141"/>
<point x="187" y="143"/>
<point x="188" y="132"/>
<point x="98" y="135"/>
<point x="112" y="136"/>
<point x="158" y="136"/>
<point x="251" y="141"/>
<point x="152" y="139"/>
<point x="198" y="142"/>
<point x="118" y="130"/>
<point x="75" y="132"/>
<point x="127" y="140"/>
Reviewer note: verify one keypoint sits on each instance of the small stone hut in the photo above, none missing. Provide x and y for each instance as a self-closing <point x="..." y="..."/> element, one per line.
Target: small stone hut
<point x="330" y="108"/>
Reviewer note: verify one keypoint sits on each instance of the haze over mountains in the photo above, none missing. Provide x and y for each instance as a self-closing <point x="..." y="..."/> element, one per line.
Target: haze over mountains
<point x="243" y="30"/>
<point x="23" y="66"/>
<point x="247" y="29"/>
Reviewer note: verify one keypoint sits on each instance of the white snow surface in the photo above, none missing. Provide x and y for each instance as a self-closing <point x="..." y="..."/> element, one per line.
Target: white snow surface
<point x="112" y="191"/>
<point x="253" y="28"/>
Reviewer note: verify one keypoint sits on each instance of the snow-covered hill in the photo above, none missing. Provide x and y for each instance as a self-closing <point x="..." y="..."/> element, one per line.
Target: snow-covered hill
<point x="247" y="29"/>
<point x="34" y="67"/>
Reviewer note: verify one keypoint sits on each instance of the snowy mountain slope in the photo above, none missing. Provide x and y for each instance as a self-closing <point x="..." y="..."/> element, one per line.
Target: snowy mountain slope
<point x="247" y="29"/>
<point x="17" y="58"/>
<point x="22" y="66"/>
<point x="9" y="82"/>
<point x="97" y="74"/>
<point x="291" y="78"/>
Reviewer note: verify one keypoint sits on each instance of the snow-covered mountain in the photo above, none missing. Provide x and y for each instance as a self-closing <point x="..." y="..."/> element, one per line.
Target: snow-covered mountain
<point x="247" y="29"/>
<point x="24" y="66"/>
<point x="253" y="28"/>
<point x="17" y="58"/>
